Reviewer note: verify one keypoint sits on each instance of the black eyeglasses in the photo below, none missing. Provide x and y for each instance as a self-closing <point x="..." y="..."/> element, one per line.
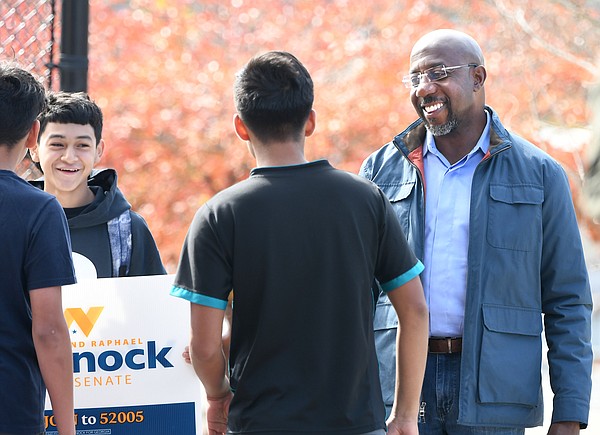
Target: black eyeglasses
<point x="432" y="74"/>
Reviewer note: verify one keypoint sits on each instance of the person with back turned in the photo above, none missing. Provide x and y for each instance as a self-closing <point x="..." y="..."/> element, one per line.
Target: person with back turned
<point x="35" y="347"/>
<point x="299" y="244"/>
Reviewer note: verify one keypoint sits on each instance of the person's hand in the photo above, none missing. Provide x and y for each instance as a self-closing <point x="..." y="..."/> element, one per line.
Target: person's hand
<point x="217" y="412"/>
<point x="402" y="427"/>
<point x="186" y="355"/>
<point x="564" y="428"/>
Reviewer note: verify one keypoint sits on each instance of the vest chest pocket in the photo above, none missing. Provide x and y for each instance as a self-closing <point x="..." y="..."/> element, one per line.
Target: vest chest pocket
<point x="515" y="216"/>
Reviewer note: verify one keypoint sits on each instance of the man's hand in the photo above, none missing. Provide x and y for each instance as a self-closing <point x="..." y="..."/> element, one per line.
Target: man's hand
<point x="216" y="414"/>
<point x="564" y="428"/>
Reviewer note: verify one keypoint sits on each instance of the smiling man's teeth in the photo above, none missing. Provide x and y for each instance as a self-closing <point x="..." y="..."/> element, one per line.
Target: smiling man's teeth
<point x="433" y="107"/>
<point x="69" y="170"/>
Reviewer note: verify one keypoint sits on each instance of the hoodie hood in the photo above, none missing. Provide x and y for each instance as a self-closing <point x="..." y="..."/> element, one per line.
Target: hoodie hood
<point x="108" y="203"/>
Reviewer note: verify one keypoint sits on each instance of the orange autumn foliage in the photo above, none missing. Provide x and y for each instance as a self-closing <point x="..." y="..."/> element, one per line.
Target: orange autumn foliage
<point x="162" y="71"/>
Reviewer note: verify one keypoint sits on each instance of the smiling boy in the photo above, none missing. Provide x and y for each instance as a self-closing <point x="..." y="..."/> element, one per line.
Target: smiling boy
<point x="69" y="153"/>
<point x="103" y="227"/>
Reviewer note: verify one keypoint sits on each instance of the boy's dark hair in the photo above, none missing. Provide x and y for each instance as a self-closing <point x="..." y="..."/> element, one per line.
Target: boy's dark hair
<point x="273" y="95"/>
<point x="72" y="108"/>
<point x="22" y="98"/>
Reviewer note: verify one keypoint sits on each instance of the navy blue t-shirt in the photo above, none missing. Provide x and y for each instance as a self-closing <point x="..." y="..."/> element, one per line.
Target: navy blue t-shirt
<point x="35" y="253"/>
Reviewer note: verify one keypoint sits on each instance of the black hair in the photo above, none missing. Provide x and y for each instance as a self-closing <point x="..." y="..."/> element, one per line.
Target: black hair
<point x="22" y="98"/>
<point x="72" y="108"/>
<point x="273" y="95"/>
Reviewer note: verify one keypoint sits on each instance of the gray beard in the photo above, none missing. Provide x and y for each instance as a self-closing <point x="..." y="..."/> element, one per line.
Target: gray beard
<point x="441" y="130"/>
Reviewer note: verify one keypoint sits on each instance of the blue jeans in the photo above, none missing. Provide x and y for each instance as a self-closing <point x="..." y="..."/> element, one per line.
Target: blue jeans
<point x="439" y="401"/>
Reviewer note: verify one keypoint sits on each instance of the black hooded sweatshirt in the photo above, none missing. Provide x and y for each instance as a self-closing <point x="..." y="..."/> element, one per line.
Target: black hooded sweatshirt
<point x="89" y="227"/>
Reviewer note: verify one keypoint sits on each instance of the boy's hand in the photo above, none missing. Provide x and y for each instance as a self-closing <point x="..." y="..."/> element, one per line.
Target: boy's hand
<point x="186" y="355"/>
<point x="400" y="427"/>
<point x="217" y="412"/>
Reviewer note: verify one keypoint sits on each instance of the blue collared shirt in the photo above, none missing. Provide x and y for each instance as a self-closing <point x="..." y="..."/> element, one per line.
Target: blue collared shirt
<point x="447" y="208"/>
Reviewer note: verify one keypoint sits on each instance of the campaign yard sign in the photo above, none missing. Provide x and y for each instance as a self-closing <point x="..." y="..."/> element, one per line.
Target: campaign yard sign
<point x="127" y="337"/>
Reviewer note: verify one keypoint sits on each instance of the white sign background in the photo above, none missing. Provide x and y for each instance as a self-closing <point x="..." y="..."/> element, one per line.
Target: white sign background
<point x="139" y="310"/>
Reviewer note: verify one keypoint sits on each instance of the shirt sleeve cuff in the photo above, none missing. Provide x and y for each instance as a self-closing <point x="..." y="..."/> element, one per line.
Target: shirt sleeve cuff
<point x="197" y="298"/>
<point x="404" y="278"/>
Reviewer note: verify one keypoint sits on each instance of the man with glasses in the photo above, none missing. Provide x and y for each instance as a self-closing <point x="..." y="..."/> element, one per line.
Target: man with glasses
<point x="491" y="218"/>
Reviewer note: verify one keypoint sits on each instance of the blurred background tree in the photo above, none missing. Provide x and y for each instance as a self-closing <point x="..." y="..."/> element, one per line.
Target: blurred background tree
<point x="162" y="71"/>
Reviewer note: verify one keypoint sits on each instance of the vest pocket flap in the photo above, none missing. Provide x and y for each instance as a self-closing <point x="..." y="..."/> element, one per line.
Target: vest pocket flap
<point x="385" y="317"/>
<point x="517" y="194"/>
<point x="397" y="192"/>
<point x="512" y="320"/>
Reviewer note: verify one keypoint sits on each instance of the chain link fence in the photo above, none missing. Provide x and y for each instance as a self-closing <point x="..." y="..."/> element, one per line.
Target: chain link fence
<point x="28" y="35"/>
<point x="29" y="32"/>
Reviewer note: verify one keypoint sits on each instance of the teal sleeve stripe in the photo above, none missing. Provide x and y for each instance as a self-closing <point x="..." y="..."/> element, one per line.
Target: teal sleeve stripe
<point x="197" y="298"/>
<point x="404" y="278"/>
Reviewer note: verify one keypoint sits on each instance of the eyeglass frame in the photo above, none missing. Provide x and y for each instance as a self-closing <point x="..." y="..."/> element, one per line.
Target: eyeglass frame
<point x="408" y="82"/>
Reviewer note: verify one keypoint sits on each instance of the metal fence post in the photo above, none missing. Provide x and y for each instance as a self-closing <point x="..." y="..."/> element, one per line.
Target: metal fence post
<point x="73" y="63"/>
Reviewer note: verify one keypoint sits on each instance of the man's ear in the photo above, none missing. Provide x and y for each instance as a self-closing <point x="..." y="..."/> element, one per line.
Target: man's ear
<point x="240" y="128"/>
<point x="31" y="141"/>
<point x="311" y="123"/>
<point x="479" y="75"/>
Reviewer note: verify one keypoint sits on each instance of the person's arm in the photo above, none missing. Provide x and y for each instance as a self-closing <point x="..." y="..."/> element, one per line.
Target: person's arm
<point x="411" y="355"/>
<point x="567" y="308"/>
<point x="225" y="336"/>
<point x="55" y="357"/>
<point x="210" y="365"/>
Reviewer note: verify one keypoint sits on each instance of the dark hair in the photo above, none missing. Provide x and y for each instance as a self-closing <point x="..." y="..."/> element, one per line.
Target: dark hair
<point x="22" y="98"/>
<point x="273" y="95"/>
<point x="72" y="108"/>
